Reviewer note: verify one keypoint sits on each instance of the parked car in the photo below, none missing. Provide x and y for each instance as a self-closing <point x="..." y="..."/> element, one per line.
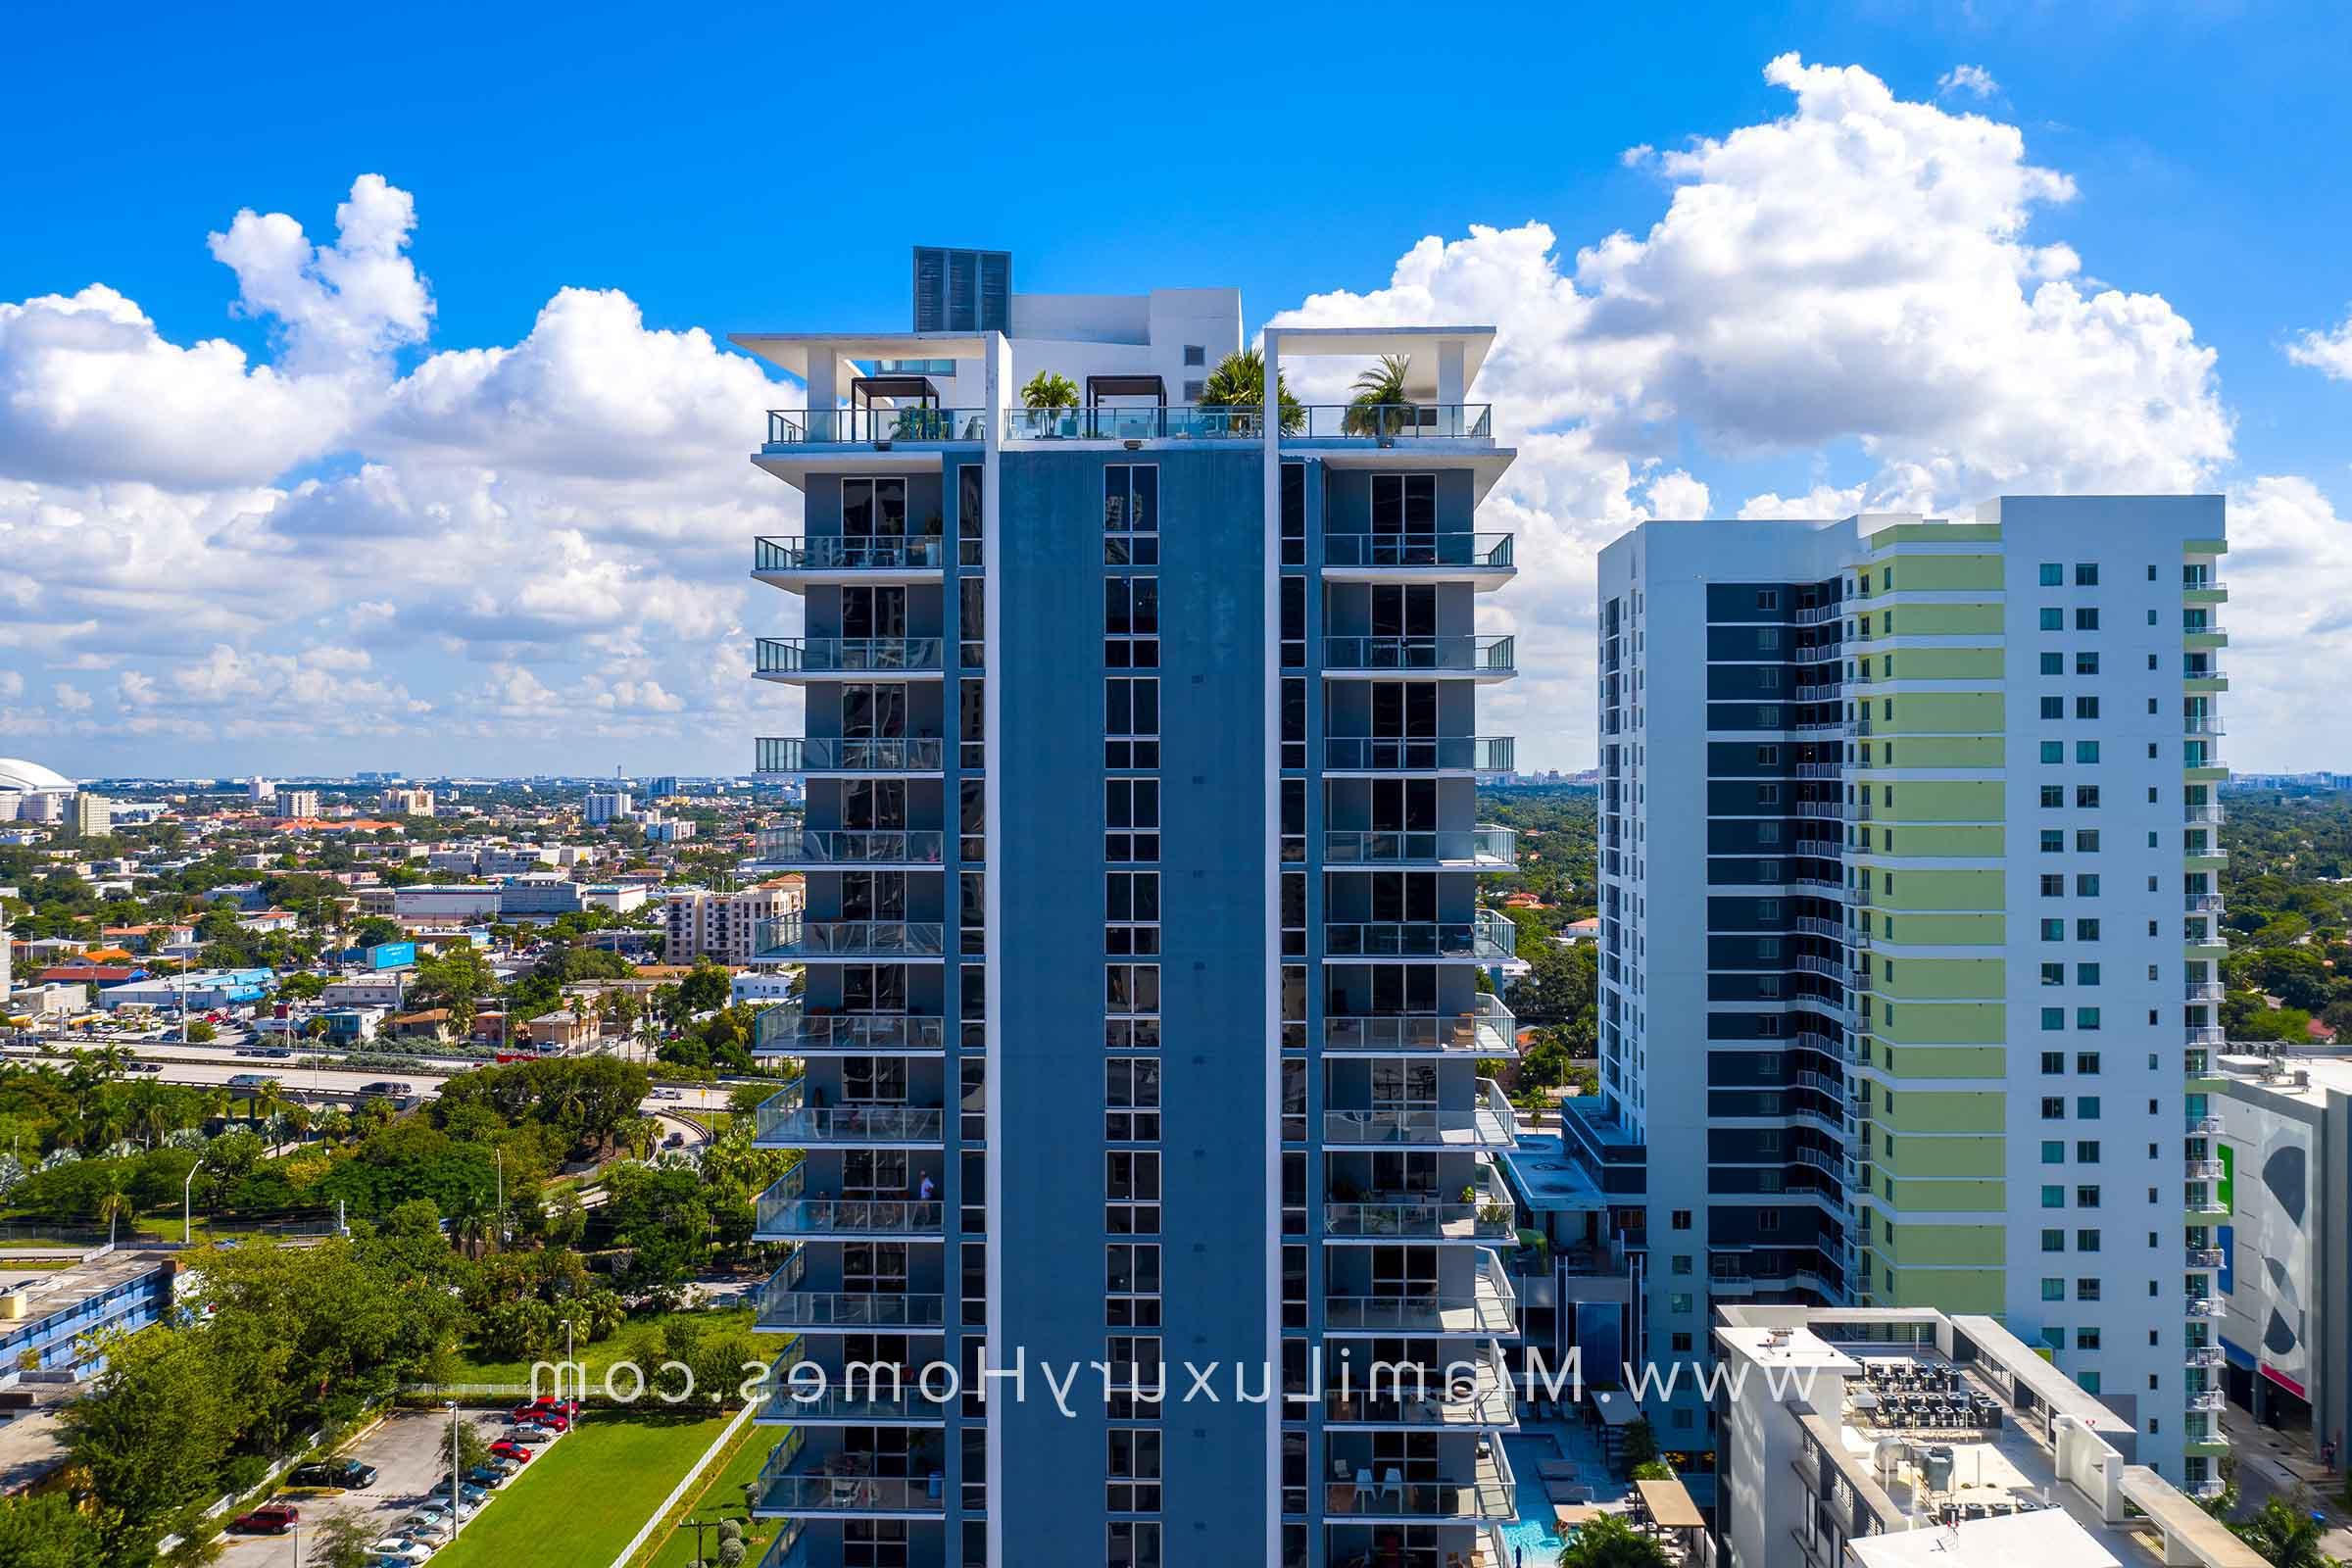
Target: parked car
<point x="513" y="1450"/>
<point x="400" y="1551"/>
<point x="269" y="1519"/>
<point x="474" y="1495"/>
<point x="548" y="1401"/>
<point x="428" y="1524"/>
<point x="524" y="1436"/>
<point x="343" y="1473"/>
<point x="491" y="1474"/>
<point x="532" y="1415"/>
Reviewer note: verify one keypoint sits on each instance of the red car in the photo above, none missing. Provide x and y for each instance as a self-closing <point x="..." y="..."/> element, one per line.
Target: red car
<point x="552" y="1420"/>
<point x="510" y="1450"/>
<point x="270" y="1519"/>
<point x="548" y="1401"/>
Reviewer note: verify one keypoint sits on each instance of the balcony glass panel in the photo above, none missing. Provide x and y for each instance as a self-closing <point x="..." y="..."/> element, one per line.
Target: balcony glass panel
<point x="1370" y="422"/>
<point x="844" y="553"/>
<point x="1473" y="655"/>
<point x="783" y="656"/>
<point x="865" y="426"/>
<point x="793" y="754"/>
<point x="1491" y="550"/>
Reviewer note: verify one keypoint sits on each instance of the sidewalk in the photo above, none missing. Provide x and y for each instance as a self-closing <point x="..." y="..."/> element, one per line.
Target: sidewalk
<point x="2274" y="1464"/>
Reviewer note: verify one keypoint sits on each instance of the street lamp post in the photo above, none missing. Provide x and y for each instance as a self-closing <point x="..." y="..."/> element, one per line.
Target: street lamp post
<point x="187" y="1223"/>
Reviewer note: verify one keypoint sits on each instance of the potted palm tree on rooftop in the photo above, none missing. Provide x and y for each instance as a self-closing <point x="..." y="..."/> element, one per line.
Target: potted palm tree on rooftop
<point x="1379" y="407"/>
<point x="1045" y="394"/>
<point x="1240" y="383"/>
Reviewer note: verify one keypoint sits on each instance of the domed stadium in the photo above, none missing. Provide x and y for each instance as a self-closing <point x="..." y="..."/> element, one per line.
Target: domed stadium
<point x="30" y="778"/>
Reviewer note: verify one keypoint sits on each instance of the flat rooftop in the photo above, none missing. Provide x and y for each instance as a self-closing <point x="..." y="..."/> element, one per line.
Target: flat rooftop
<point x="1544" y="1175"/>
<point x="51" y="1290"/>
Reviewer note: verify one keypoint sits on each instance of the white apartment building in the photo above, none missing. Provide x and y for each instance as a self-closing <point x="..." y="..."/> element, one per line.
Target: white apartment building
<point x="384" y="990"/>
<point x="295" y="802"/>
<point x="405" y="802"/>
<point x="607" y="806"/>
<point x="1905" y="1437"/>
<point x="259" y="790"/>
<point x="1909" y="892"/>
<point x="725" y="926"/>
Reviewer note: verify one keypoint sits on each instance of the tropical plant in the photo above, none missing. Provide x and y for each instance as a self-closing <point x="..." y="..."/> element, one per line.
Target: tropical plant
<point x="1049" y="389"/>
<point x="1379" y="405"/>
<point x="2285" y="1534"/>
<point x="1608" y="1542"/>
<point x="1240" y="383"/>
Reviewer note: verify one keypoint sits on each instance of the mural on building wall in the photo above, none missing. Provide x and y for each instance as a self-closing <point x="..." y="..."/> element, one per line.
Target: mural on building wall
<point x="2267" y="1242"/>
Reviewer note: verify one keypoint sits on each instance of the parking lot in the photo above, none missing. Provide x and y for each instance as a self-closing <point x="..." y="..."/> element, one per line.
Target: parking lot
<point x="409" y="1452"/>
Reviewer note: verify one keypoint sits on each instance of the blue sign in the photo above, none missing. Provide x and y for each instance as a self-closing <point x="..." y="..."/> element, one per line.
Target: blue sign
<point x="392" y="955"/>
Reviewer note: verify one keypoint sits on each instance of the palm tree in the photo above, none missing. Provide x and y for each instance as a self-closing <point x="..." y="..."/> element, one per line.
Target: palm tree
<point x="1379" y="405"/>
<point x="2284" y="1533"/>
<point x="1049" y="389"/>
<point x="1240" y="383"/>
<point x="268" y="1100"/>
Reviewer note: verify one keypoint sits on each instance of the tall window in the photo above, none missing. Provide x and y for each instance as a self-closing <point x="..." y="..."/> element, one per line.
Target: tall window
<point x="1131" y="515"/>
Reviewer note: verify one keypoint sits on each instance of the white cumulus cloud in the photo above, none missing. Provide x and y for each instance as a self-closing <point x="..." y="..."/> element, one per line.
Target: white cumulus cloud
<point x="2327" y="352"/>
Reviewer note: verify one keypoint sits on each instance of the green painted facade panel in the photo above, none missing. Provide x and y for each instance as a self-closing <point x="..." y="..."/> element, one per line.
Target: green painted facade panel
<point x="1937" y="574"/>
<point x="1940" y="843"/>
<point x="1939" y="713"/>
<point x="1923" y="890"/>
<point x="1940" y="663"/>
<point x="1941" y="930"/>
<point x="1946" y="1061"/>
<point x="1938" y="750"/>
<point x="1944" y="1111"/>
<point x="1945" y="1023"/>
<point x="1944" y="1245"/>
<point x="1937" y="621"/>
<point x="1904" y="980"/>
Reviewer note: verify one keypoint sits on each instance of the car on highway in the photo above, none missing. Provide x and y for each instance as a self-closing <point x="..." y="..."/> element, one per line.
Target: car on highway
<point x="341" y="1474"/>
<point x="669" y="1094"/>
<point x="387" y="1086"/>
<point x="269" y="1519"/>
<point x="248" y="1080"/>
<point x="674" y="1141"/>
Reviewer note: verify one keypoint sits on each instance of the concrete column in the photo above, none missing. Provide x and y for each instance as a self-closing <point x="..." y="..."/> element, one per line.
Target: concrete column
<point x="822" y="359"/>
<point x="1451" y="381"/>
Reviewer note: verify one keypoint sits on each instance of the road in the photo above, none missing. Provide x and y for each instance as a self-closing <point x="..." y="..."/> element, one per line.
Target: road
<point x="2265" y="1471"/>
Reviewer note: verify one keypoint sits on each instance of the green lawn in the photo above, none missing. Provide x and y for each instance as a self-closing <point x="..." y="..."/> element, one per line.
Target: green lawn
<point x="578" y="1503"/>
<point x="633" y="1342"/>
<point x="719" y="1497"/>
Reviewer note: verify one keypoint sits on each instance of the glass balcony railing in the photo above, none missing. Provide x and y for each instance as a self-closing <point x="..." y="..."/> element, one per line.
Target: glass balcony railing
<point x="1390" y="421"/>
<point x="1489" y="1307"/>
<point x="788" y="1029"/>
<point x="1138" y="422"/>
<point x="819" y="846"/>
<point x="1488" y="1491"/>
<point x="1491" y="1123"/>
<point x="786" y="1120"/>
<point x="1486" y="1399"/>
<point x="781" y="1305"/>
<point x="840" y="552"/>
<point x="1461" y="655"/>
<point x="1487" y="1215"/>
<point x="797" y="938"/>
<point x="1391" y="753"/>
<point x="848" y="1493"/>
<point x="848" y="656"/>
<point x="1487" y="937"/>
<point x="825" y="1398"/>
<point x="789" y="427"/>
<point x="806" y="1218"/>
<point x="1487" y="1030"/>
<point x="794" y="754"/>
<point x="1484" y="847"/>
<point x="1483" y="552"/>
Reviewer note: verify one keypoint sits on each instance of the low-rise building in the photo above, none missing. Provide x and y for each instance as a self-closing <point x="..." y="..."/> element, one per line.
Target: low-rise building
<point x="703" y="924"/>
<point x="383" y="990"/>
<point x="1900" y="1438"/>
<point x="2285" y="1130"/>
<point x="563" y="1030"/>
<point x="541" y="896"/>
<point x="760" y="986"/>
<point x="618" y="897"/>
<point x="203" y="989"/>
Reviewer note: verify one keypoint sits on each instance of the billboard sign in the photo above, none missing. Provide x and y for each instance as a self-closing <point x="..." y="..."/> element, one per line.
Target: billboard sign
<point x="392" y="956"/>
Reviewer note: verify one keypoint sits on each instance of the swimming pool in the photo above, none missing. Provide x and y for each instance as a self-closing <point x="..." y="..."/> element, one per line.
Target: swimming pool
<point x="1533" y="1537"/>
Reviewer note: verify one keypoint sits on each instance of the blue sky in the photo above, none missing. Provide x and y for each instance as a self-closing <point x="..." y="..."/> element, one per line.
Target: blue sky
<point x="771" y="168"/>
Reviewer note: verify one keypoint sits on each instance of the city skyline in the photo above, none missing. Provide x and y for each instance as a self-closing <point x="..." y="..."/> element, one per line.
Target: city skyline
<point x="364" y="483"/>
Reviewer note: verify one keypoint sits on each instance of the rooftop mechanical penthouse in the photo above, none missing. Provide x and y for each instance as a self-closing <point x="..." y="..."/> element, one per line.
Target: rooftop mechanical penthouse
<point x="1141" y="1022"/>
